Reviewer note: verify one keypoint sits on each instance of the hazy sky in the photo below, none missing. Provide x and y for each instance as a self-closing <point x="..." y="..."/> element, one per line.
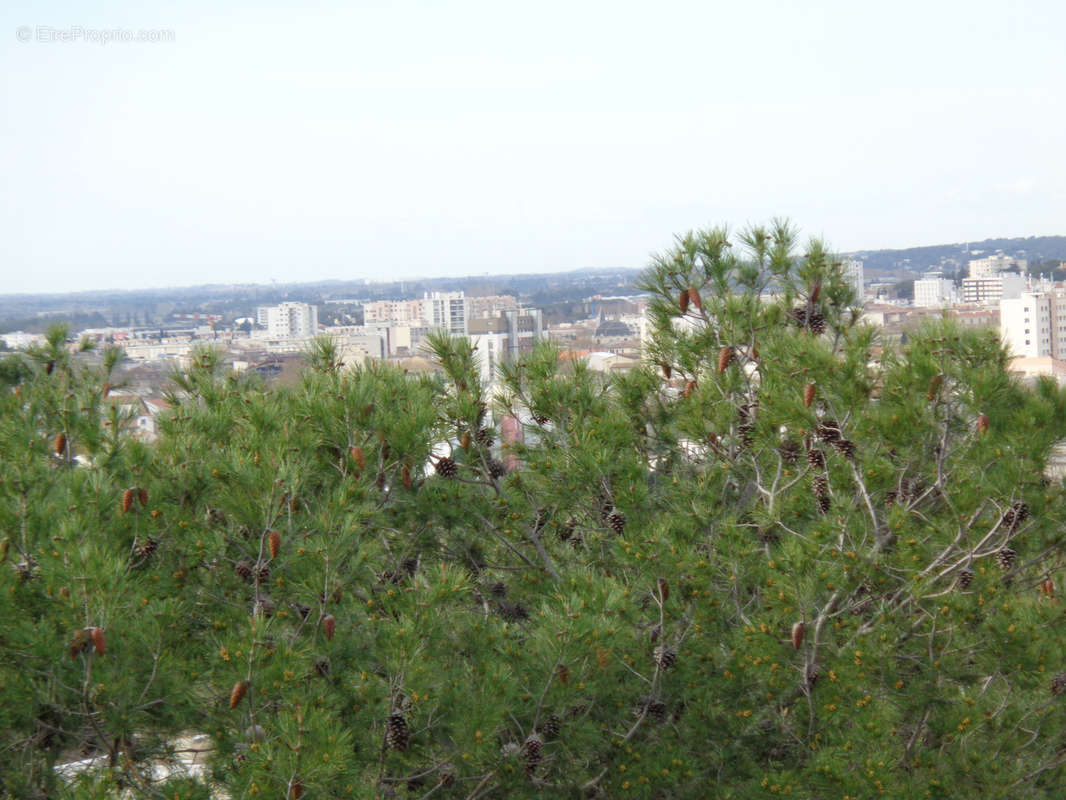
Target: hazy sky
<point x="375" y="140"/>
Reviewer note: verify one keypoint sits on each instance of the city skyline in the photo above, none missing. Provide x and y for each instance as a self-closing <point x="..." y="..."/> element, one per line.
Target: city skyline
<point x="420" y="141"/>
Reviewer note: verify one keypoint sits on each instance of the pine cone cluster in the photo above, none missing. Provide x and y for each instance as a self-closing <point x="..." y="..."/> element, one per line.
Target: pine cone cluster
<point x="261" y="572"/>
<point x="809" y="318"/>
<point x="846" y="448"/>
<point x="497" y="469"/>
<point x="397" y="734"/>
<point x="446" y="467"/>
<point x="550" y="727"/>
<point x="816" y="458"/>
<point x="829" y="431"/>
<point x="512" y="612"/>
<point x="1006" y="558"/>
<point x="746" y="424"/>
<point x="820" y="489"/>
<point x="966" y="576"/>
<point x="532" y="751"/>
<point x="616" y="521"/>
<point x="146" y="549"/>
<point x="243" y="570"/>
<point x="651" y="708"/>
<point x="789" y="450"/>
<point x="485" y="437"/>
<point x="1014" y="516"/>
<point x="665" y="656"/>
<point x="88" y="638"/>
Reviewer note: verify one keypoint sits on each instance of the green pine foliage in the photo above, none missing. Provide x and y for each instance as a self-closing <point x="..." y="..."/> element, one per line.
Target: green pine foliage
<point x="777" y="559"/>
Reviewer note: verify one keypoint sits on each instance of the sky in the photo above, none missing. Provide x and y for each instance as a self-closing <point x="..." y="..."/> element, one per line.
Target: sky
<point x="250" y="143"/>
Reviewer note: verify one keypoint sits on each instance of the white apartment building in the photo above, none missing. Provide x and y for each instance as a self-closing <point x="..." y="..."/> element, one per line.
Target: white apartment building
<point x="992" y="289"/>
<point x="289" y="320"/>
<point x="1034" y="324"/>
<point x="491" y="352"/>
<point x="855" y="275"/>
<point x="934" y="291"/>
<point x="504" y="338"/>
<point x="445" y="310"/>
<point x="990" y="265"/>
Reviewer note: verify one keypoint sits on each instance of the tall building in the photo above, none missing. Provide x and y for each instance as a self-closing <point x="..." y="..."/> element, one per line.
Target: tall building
<point x="854" y="274"/>
<point x="445" y="310"/>
<point x="934" y="291"/>
<point x="1034" y="324"/>
<point x="290" y="320"/>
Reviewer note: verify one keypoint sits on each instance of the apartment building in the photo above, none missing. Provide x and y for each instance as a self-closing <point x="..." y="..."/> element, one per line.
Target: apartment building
<point x="854" y="273"/>
<point x="990" y="265"/>
<point x="395" y="312"/>
<point x="1034" y="324"/>
<point x="503" y="338"/>
<point x="445" y="310"/>
<point x="991" y="289"/>
<point x="288" y="320"/>
<point x="934" y="291"/>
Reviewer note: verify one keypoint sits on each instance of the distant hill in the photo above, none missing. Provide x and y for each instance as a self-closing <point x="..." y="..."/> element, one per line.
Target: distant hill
<point x="952" y="257"/>
<point x="33" y="312"/>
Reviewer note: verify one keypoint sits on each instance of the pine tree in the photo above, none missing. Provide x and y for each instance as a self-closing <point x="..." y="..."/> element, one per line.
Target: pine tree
<point x="626" y="593"/>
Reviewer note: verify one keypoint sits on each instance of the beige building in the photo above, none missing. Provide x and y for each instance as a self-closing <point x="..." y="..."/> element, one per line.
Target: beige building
<point x="399" y="312"/>
<point x="990" y="265"/>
